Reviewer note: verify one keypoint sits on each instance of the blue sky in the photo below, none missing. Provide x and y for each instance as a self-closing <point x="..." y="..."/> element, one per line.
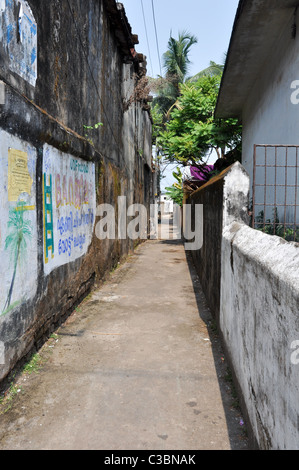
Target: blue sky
<point x="211" y="21"/>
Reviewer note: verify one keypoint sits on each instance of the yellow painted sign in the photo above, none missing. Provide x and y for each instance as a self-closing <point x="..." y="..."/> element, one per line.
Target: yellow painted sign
<point x="19" y="179"/>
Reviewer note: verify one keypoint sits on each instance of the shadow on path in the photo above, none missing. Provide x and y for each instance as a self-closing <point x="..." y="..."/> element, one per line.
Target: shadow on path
<point x="234" y="420"/>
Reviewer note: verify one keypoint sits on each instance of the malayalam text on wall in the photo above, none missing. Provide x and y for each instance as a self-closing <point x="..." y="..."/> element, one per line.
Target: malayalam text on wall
<point x="69" y="201"/>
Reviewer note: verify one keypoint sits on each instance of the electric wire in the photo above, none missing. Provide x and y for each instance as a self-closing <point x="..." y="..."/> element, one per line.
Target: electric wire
<point x="91" y="74"/>
<point x="148" y="46"/>
<point x="156" y="33"/>
<point x="130" y="173"/>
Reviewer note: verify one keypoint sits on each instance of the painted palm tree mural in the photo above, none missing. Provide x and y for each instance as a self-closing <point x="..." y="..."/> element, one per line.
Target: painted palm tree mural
<point x="19" y="232"/>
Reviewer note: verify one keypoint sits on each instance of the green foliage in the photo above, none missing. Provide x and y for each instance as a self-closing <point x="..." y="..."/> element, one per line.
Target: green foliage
<point x="6" y="399"/>
<point x="89" y="129"/>
<point x="34" y="364"/>
<point x="165" y="97"/>
<point x="212" y="71"/>
<point x="176" y="64"/>
<point x="176" y="59"/>
<point x="175" y="192"/>
<point x="185" y="128"/>
<point x="157" y="118"/>
<point x="274" y="227"/>
<point x="192" y="130"/>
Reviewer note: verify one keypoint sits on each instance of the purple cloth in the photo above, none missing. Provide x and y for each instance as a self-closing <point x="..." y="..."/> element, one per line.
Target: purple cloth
<point x="201" y="174"/>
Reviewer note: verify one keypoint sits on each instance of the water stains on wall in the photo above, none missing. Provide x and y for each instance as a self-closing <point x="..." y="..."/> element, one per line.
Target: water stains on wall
<point x="18" y="37"/>
<point x="52" y="176"/>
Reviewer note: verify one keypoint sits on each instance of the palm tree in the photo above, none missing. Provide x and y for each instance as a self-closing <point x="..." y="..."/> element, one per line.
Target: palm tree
<point x="19" y="230"/>
<point x="213" y="70"/>
<point x="176" y="60"/>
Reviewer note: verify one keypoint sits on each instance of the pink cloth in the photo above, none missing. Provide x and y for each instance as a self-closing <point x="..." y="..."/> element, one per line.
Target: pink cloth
<point x="201" y="174"/>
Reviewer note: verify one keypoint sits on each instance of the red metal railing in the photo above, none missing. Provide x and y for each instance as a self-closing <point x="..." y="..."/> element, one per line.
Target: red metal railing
<point x="275" y="195"/>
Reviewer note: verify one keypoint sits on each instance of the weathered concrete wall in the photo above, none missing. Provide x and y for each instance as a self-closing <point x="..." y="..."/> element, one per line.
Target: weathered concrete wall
<point x="259" y="323"/>
<point x="214" y="196"/>
<point x="66" y="66"/>
<point x="258" y="312"/>
<point x="208" y="259"/>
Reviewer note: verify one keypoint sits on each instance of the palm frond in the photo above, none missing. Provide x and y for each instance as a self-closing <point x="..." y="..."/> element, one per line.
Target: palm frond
<point x="212" y="71"/>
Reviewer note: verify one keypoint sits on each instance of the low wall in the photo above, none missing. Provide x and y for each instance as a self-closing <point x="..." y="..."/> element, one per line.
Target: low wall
<point x="214" y="196"/>
<point x="259" y="323"/>
<point x="258" y="316"/>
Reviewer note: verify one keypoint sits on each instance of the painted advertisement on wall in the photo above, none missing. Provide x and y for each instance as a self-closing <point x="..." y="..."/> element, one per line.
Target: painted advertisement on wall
<point x="69" y="200"/>
<point x="18" y="222"/>
<point x="18" y="38"/>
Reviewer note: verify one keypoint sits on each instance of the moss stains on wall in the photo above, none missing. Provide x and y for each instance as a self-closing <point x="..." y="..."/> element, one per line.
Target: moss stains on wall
<point x="79" y="82"/>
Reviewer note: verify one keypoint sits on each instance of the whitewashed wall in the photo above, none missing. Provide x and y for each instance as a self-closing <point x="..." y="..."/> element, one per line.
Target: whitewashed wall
<point x="69" y="200"/>
<point x="18" y="221"/>
<point x="259" y="321"/>
<point x="271" y="116"/>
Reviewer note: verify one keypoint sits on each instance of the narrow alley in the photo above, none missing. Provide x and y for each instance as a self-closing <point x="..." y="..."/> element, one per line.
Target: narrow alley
<point x="149" y="226"/>
<point x="137" y="366"/>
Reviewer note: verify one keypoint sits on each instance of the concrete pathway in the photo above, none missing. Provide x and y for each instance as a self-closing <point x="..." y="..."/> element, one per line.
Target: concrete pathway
<point x="136" y="367"/>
